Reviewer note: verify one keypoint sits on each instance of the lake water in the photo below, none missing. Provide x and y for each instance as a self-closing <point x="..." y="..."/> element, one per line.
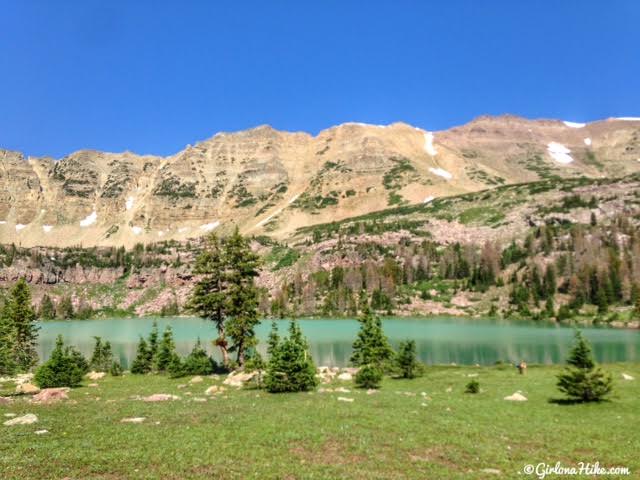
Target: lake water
<point x="440" y="340"/>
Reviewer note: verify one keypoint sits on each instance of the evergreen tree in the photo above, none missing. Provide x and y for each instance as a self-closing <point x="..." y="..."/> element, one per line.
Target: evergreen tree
<point x="7" y="362"/>
<point x="371" y="344"/>
<point x="242" y="294"/>
<point x="290" y="367"/>
<point x="406" y="361"/>
<point x="102" y="357"/>
<point x="369" y="376"/>
<point x="142" y="363"/>
<point x="78" y="359"/>
<point x="198" y="362"/>
<point x="61" y="370"/>
<point x="19" y="319"/>
<point x="153" y="341"/>
<point x="47" y="308"/>
<point x="166" y="351"/>
<point x="116" y="369"/>
<point x="549" y="308"/>
<point x="65" y="308"/>
<point x="581" y="380"/>
<point x="226" y="293"/>
<point x="371" y="351"/>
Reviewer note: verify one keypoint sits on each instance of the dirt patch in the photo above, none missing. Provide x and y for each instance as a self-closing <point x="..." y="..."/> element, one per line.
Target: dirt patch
<point x="331" y="452"/>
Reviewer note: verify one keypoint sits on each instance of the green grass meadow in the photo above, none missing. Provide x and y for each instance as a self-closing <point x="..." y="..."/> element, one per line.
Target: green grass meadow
<point x="395" y="433"/>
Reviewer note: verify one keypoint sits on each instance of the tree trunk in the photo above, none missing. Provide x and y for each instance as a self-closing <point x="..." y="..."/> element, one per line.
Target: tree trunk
<point x="240" y="354"/>
<point x="221" y="342"/>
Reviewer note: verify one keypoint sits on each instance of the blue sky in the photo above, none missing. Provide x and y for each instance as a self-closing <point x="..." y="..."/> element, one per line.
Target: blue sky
<point x="151" y="76"/>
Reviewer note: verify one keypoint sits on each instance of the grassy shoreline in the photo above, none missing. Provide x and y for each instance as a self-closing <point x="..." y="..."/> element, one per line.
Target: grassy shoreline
<point x="394" y="433"/>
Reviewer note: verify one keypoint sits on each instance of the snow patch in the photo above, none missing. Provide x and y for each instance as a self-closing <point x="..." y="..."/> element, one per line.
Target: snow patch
<point x="207" y="227"/>
<point x="428" y="199"/>
<point x="129" y="203"/>
<point x="277" y="212"/>
<point x="160" y="233"/>
<point x="587" y="142"/>
<point x="20" y="226"/>
<point x="441" y="173"/>
<point x="629" y="119"/>
<point x="559" y="153"/>
<point x="47" y="228"/>
<point x="428" y="144"/>
<point x="89" y="219"/>
<point x="294" y="198"/>
<point x="574" y="124"/>
<point x="2" y="222"/>
<point x="183" y="229"/>
<point x="136" y="230"/>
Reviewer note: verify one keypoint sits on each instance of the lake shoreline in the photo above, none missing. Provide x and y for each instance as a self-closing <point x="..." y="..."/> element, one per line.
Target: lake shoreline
<point x="589" y="323"/>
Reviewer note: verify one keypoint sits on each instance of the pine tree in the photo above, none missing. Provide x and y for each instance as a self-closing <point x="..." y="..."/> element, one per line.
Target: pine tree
<point x="226" y="293"/>
<point x="406" y="361"/>
<point x="19" y="318"/>
<point x="102" y="357"/>
<point x="290" y="367"/>
<point x="7" y="362"/>
<point x="198" y="362"/>
<point x="371" y="351"/>
<point x="153" y="341"/>
<point x="371" y="345"/>
<point x="47" y="308"/>
<point x="166" y="351"/>
<point x="142" y="363"/>
<point x="549" y="308"/>
<point x="61" y="370"/>
<point x="242" y="294"/>
<point x="65" y="308"/>
<point x="581" y="380"/>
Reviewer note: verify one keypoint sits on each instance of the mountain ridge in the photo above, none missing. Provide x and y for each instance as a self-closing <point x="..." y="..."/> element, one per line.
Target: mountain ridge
<point x="270" y="181"/>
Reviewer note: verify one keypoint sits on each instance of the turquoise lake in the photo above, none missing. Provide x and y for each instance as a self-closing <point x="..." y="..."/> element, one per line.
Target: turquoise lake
<point x="440" y="340"/>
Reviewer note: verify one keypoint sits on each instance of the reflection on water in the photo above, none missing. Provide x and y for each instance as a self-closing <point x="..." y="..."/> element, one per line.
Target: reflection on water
<point x="439" y="340"/>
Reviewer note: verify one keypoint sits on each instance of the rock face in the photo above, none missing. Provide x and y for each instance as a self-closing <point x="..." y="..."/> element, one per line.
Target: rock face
<point x="267" y="180"/>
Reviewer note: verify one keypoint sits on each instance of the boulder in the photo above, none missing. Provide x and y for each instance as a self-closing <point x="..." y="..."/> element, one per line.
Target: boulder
<point x="196" y="379"/>
<point x="199" y="399"/>
<point x="493" y="471"/>
<point x="214" y="390"/>
<point x="133" y="420"/>
<point x="51" y="395"/>
<point x="5" y="400"/>
<point x="516" y="397"/>
<point x="345" y="377"/>
<point x="626" y="376"/>
<point x="345" y="399"/>
<point x="96" y="375"/>
<point x="27" y="389"/>
<point x="41" y="432"/>
<point x="160" y="397"/>
<point x="237" y="379"/>
<point x="342" y="390"/>
<point x="27" y="419"/>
